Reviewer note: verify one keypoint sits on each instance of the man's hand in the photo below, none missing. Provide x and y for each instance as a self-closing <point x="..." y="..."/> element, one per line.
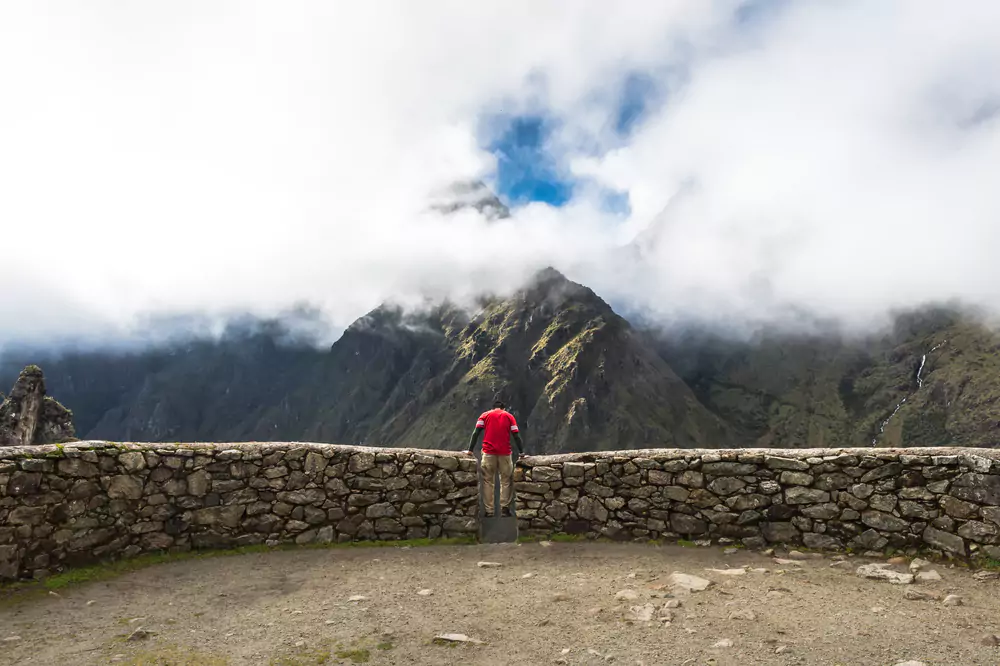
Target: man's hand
<point x="522" y="459"/>
<point x="468" y="453"/>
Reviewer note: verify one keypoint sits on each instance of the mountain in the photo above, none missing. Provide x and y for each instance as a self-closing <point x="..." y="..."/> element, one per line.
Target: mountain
<point x="577" y="376"/>
<point x="933" y="379"/>
<point x="473" y="195"/>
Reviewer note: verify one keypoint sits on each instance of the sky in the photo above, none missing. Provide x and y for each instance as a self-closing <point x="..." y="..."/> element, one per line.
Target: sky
<point x="690" y="160"/>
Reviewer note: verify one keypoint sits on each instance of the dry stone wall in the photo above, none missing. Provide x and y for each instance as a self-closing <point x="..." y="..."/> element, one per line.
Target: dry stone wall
<point x="73" y="504"/>
<point x="945" y="500"/>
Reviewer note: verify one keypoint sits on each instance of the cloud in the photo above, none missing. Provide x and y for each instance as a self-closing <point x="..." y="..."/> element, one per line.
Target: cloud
<point x="183" y="157"/>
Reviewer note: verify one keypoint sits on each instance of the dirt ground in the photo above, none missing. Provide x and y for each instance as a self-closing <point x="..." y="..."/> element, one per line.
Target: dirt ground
<point x="557" y="603"/>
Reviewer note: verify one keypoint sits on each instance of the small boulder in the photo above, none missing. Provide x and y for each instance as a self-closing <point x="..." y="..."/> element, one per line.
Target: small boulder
<point x="917" y="595"/>
<point x="489" y="565"/>
<point x="456" y="638"/>
<point x="931" y="576"/>
<point x="689" y="583"/>
<point x="642" y="613"/>
<point x="882" y="572"/>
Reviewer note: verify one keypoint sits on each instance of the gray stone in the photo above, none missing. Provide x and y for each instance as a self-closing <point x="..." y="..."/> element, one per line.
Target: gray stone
<point x="976" y="487"/>
<point x="227" y="516"/>
<point x="800" y="495"/>
<point x="917" y="510"/>
<point x="726" y="485"/>
<point x="691" y="479"/>
<point x="779" y="532"/>
<point x="361" y="462"/>
<point x="883" y="572"/>
<point x="770" y="487"/>
<point x="744" y="502"/>
<point x="833" y="481"/>
<point x="991" y="513"/>
<point x="862" y="490"/>
<point x="314" y="463"/>
<point x="796" y="478"/>
<point x="545" y="474"/>
<point x="199" y="483"/>
<point x="658" y="478"/>
<point x="821" y="541"/>
<point x="687" y="525"/>
<point x="884" y="503"/>
<point x="957" y="508"/>
<point x="676" y="493"/>
<point x="77" y="467"/>
<point x="132" y="462"/>
<point x="890" y="469"/>
<point x="827" y="511"/>
<point x="884" y="521"/>
<point x="777" y="462"/>
<point x="307" y="496"/>
<point x="871" y="540"/>
<point x="591" y="509"/>
<point x="381" y="510"/>
<point x="125" y="487"/>
<point x="951" y="543"/>
<point x="917" y="493"/>
<point x="728" y="469"/>
<point x="978" y="531"/>
<point x="939" y="487"/>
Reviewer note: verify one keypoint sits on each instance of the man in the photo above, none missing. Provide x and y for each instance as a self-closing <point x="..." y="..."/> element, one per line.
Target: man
<point x="496" y="427"/>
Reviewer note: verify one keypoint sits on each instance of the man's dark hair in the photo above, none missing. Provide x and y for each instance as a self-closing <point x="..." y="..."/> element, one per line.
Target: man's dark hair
<point x="498" y="404"/>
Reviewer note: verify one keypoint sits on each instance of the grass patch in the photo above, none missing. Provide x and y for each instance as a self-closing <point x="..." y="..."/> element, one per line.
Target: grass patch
<point x="385" y="645"/>
<point x="113" y="569"/>
<point x="686" y="544"/>
<point x="562" y="537"/>
<point x="356" y="656"/>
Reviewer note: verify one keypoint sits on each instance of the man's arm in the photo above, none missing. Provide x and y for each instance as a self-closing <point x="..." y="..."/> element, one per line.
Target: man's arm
<point x="520" y="445"/>
<point x="476" y="434"/>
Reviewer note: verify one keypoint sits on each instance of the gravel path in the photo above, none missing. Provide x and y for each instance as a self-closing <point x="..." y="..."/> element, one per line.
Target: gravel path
<point x="572" y="603"/>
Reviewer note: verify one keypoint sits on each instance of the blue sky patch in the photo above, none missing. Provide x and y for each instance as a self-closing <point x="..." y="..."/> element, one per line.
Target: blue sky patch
<point x="526" y="169"/>
<point x="640" y="91"/>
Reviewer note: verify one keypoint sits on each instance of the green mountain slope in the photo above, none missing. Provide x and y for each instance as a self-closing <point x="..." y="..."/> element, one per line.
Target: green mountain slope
<point x="805" y="391"/>
<point x="576" y="375"/>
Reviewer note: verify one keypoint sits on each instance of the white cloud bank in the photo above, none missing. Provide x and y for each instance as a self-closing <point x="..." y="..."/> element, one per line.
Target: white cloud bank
<point x="223" y="156"/>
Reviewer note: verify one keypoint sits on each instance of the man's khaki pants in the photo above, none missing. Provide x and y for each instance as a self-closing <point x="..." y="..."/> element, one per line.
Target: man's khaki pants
<point x="491" y="464"/>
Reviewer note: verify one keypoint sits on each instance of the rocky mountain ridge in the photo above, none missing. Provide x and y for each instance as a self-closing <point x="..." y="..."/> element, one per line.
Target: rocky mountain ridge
<point x="577" y="375"/>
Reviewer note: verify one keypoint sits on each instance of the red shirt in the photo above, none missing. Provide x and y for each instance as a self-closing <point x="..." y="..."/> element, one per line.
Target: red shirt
<point x="498" y="425"/>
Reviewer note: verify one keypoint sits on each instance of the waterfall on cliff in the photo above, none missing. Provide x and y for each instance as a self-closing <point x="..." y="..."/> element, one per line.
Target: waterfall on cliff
<point x="920" y="385"/>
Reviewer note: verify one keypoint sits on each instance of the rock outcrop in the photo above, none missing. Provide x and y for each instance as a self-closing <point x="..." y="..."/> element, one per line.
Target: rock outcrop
<point x="28" y="416"/>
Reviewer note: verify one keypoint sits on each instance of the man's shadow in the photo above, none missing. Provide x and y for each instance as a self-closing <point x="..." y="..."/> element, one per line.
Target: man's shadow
<point x="496" y="529"/>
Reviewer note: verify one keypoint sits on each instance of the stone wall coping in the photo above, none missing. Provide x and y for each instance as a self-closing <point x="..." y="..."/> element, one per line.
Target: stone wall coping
<point x="15" y="452"/>
<point x="707" y="455"/>
<point x="712" y="455"/>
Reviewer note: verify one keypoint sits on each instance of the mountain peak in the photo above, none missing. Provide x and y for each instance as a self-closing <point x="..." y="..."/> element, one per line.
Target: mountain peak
<point x="469" y="194"/>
